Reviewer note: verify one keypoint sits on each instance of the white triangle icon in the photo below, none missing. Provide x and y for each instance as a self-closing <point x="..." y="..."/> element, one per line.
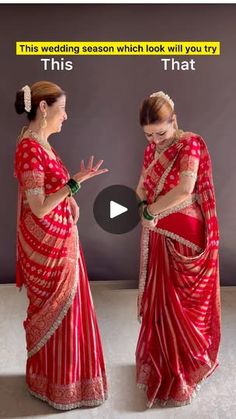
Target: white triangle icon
<point x="116" y="209"/>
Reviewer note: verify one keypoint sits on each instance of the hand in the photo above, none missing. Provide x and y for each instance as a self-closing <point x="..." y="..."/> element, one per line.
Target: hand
<point x="152" y="208"/>
<point x="89" y="171"/>
<point x="74" y="209"/>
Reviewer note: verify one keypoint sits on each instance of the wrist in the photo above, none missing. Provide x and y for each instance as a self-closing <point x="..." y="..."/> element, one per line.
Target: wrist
<point x="147" y="215"/>
<point x="152" y="210"/>
<point x="74" y="186"/>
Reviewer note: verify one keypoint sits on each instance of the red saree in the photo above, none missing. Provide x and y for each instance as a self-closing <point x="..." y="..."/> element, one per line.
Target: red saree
<point x="65" y="365"/>
<point x="179" y="294"/>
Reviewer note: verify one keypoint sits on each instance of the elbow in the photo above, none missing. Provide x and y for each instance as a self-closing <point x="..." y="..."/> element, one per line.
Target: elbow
<point x="39" y="213"/>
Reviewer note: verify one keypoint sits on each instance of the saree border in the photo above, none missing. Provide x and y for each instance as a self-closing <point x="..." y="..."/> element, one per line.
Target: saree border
<point x="173" y="402"/>
<point x="143" y="267"/>
<point x="99" y="380"/>
<point x="178" y="238"/>
<point x="59" y="406"/>
<point x="184" y="204"/>
<point x="64" y="310"/>
<point x="145" y="247"/>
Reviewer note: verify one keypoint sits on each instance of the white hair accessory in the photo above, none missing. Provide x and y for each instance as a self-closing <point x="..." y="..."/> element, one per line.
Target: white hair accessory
<point x="27" y="97"/>
<point x="164" y="96"/>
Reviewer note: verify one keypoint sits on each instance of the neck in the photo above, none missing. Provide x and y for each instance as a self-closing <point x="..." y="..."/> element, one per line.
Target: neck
<point x="40" y="132"/>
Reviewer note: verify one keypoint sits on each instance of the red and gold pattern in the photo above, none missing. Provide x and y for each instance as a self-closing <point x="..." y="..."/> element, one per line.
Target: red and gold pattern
<point x="65" y="364"/>
<point x="179" y="294"/>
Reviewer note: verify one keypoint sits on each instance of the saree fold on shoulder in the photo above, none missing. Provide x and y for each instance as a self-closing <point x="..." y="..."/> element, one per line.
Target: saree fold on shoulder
<point x="65" y="365"/>
<point x="179" y="292"/>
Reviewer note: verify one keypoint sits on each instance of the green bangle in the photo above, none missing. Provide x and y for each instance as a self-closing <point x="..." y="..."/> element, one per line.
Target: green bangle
<point x="146" y="214"/>
<point x="142" y="203"/>
<point x="74" y="186"/>
<point x="149" y="213"/>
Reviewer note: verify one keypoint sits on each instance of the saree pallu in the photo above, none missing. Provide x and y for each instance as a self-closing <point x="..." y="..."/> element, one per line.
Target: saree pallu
<point x="179" y="297"/>
<point x="65" y="365"/>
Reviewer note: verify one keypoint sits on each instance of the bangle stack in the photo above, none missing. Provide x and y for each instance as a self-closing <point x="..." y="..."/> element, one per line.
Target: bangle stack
<point x="147" y="215"/>
<point x="74" y="186"/>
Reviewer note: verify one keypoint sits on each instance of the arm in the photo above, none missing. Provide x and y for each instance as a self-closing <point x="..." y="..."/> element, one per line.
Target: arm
<point x="175" y="196"/>
<point x="41" y="205"/>
<point x="189" y="163"/>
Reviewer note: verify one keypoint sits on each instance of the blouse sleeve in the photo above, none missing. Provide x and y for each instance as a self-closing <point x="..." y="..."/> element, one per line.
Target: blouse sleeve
<point x="29" y="168"/>
<point x="189" y="158"/>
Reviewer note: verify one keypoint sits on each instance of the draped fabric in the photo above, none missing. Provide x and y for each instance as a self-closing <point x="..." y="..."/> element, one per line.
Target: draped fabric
<point x="65" y="364"/>
<point x="179" y="293"/>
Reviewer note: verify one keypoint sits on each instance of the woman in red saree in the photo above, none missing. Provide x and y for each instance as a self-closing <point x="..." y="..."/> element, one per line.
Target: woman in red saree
<point x="179" y="294"/>
<point x="65" y="365"/>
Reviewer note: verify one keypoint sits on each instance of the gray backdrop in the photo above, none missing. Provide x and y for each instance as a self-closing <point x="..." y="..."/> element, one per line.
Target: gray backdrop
<point x="104" y="95"/>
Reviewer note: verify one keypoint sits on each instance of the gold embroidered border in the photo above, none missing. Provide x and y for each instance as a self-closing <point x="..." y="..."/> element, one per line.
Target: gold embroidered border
<point x="87" y="403"/>
<point x="179" y="239"/>
<point x="92" y="388"/>
<point x="190" y="200"/>
<point x="143" y="266"/>
<point x="171" y="402"/>
<point x="200" y="377"/>
<point x="188" y="173"/>
<point x="35" y="191"/>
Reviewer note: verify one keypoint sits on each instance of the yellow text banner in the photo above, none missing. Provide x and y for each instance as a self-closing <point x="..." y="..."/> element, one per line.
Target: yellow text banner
<point x="118" y="48"/>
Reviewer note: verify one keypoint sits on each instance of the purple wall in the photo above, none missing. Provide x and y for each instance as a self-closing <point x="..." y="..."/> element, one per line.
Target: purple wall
<point x="104" y="94"/>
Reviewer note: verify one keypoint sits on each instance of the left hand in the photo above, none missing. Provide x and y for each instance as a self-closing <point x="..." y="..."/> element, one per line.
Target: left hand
<point x="74" y="209"/>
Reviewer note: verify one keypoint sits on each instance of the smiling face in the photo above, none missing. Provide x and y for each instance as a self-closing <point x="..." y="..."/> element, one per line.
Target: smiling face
<point x="160" y="131"/>
<point x="56" y="115"/>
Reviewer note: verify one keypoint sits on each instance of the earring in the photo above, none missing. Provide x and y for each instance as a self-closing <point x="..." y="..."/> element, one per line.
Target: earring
<point x="43" y="123"/>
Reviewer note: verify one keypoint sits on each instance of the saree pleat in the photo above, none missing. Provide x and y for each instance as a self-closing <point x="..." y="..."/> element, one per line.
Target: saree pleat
<point x="70" y="365"/>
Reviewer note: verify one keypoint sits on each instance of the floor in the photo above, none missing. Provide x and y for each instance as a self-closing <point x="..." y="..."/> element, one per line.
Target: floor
<point x="116" y="311"/>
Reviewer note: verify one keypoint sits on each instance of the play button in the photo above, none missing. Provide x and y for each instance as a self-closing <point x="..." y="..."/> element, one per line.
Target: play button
<point x="116" y="209"/>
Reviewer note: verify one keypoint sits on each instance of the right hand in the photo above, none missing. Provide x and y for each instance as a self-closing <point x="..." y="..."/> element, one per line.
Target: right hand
<point x="86" y="173"/>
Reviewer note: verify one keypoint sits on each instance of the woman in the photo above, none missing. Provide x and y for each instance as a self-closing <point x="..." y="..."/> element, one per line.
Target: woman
<point x="65" y="365"/>
<point x="179" y="300"/>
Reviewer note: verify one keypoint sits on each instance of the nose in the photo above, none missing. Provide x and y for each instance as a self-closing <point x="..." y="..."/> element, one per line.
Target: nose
<point x="65" y="116"/>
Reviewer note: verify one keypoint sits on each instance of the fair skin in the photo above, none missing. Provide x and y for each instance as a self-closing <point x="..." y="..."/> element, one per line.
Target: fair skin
<point x="159" y="133"/>
<point x="56" y="114"/>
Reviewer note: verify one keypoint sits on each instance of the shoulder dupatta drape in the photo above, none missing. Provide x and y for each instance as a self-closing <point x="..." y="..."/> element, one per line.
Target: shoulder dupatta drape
<point x="179" y="294"/>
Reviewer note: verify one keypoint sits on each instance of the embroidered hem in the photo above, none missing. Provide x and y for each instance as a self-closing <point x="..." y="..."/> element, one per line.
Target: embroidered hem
<point x="199" y="377"/>
<point x="59" y="406"/>
<point x="171" y="402"/>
